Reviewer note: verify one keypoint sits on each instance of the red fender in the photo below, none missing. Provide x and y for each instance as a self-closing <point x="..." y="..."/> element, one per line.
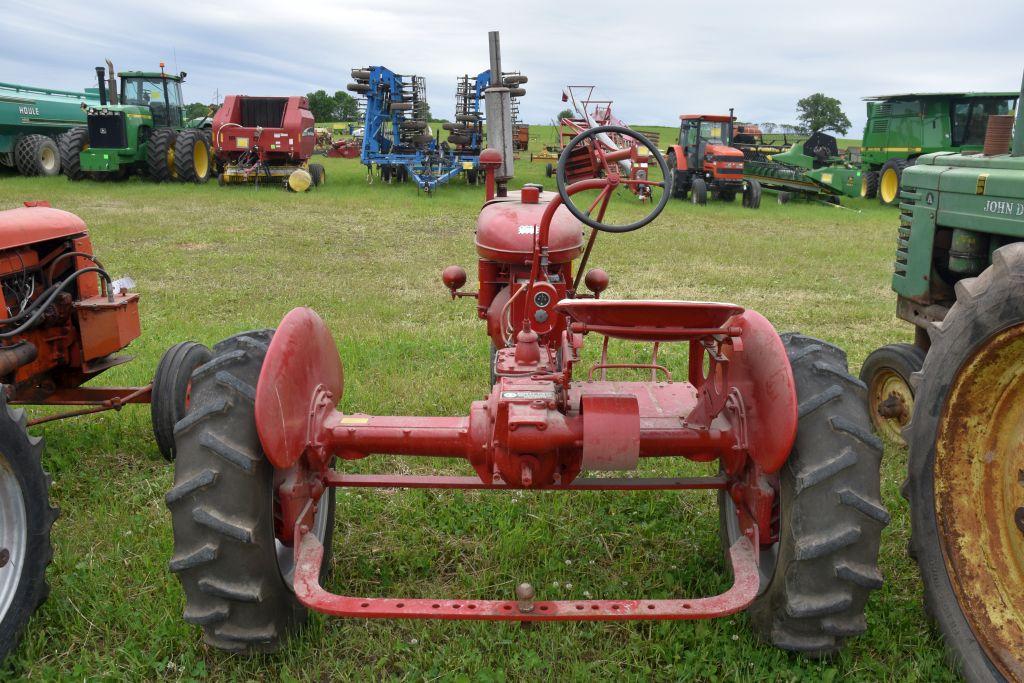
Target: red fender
<point x="681" y="164"/>
<point x="301" y="378"/>
<point x="760" y="369"/>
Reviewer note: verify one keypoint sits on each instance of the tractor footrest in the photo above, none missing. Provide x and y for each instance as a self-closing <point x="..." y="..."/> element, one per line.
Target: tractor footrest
<point x="309" y="592"/>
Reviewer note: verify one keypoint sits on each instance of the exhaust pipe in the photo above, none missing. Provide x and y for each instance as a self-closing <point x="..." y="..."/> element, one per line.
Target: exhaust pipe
<point x="112" y="83"/>
<point x="102" y="81"/>
<point x="1017" y="149"/>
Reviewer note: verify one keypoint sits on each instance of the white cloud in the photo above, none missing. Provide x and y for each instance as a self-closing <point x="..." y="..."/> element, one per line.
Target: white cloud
<point x="654" y="59"/>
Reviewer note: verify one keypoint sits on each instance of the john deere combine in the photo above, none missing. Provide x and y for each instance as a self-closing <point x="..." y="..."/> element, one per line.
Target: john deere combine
<point x="957" y="393"/>
<point x="137" y="128"/>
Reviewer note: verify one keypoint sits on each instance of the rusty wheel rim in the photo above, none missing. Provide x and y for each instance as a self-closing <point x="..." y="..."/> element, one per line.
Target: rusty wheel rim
<point x="891" y="403"/>
<point x="13" y="535"/>
<point x="979" y="495"/>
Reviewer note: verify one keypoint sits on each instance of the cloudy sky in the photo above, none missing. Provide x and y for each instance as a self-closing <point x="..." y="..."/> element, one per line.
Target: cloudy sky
<point x="654" y="59"/>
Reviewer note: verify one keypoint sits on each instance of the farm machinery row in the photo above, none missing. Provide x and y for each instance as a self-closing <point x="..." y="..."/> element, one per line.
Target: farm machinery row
<point x="32" y="120"/>
<point x="398" y="143"/>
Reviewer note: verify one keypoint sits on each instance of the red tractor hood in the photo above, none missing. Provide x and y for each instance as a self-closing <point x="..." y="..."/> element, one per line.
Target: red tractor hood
<point x="504" y="230"/>
<point x="33" y="224"/>
<point x="724" y="151"/>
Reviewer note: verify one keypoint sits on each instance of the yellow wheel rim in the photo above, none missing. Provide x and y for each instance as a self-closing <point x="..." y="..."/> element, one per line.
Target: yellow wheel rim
<point x="864" y="185"/>
<point x="979" y="496"/>
<point x="889" y="186"/>
<point x="170" y="162"/>
<point x="891" y="403"/>
<point x="201" y="159"/>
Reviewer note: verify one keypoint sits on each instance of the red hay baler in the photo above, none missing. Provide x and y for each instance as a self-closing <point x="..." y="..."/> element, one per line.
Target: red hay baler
<point x="266" y="140"/>
<point x="795" y="466"/>
<point x="63" y="322"/>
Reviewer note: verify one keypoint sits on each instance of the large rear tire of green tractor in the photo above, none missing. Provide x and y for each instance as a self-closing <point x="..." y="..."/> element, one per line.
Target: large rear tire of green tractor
<point x="966" y="473"/>
<point x="26" y="517"/>
<point x="869" y="185"/>
<point x="235" y="573"/>
<point x="890" y="178"/>
<point x="160" y="151"/>
<point x="816" y="579"/>
<point x="699" y="191"/>
<point x="192" y="157"/>
<point x="37" y="155"/>
<point x="73" y="143"/>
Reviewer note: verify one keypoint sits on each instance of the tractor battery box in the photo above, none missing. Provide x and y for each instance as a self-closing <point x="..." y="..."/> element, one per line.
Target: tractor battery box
<point x="107" y="326"/>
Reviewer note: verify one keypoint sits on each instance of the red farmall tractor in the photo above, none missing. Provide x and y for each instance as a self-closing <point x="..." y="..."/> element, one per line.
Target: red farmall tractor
<point x="63" y="322"/>
<point x="779" y="419"/>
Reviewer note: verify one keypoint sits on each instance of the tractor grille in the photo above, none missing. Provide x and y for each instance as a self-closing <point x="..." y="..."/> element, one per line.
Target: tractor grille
<point x="903" y="238"/>
<point x="107" y="131"/>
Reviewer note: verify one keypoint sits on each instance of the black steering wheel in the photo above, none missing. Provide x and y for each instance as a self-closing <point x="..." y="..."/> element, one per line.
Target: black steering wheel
<point x="609" y="183"/>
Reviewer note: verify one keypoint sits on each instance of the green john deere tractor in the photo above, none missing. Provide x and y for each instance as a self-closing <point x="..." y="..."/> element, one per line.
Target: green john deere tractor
<point x="957" y="394"/>
<point x="137" y="128"/>
<point x="901" y="128"/>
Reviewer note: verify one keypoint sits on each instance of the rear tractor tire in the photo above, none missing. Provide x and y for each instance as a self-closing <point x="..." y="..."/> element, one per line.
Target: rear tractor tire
<point x="160" y="153"/>
<point x="73" y="143"/>
<point x="887" y="373"/>
<point x="172" y="385"/>
<point x="26" y="517"/>
<point x="192" y="157"/>
<point x="37" y="155"/>
<point x="677" y="178"/>
<point x="816" y="579"/>
<point x="317" y="174"/>
<point x="235" y="574"/>
<point x="965" y="485"/>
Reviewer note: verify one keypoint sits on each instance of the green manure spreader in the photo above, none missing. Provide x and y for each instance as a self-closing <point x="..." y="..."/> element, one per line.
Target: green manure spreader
<point x="31" y="123"/>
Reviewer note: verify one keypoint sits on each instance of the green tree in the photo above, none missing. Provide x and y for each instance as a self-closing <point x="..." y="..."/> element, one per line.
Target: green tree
<point x="565" y="114"/>
<point x="321" y="105"/>
<point x="819" y="112"/>
<point x="345" y="108"/>
<point x="198" y="110"/>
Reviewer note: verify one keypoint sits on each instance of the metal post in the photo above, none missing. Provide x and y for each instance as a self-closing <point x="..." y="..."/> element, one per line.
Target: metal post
<point x="1017" y="149"/>
<point x="498" y="107"/>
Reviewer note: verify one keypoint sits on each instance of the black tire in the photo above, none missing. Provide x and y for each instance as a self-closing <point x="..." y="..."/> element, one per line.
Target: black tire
<point x="698" y="191"/>
<point x="37" y="155"/>
<point x="186" y="166"/>
<point x="468" y="118"/>
<point x="986" y="307"/>
<point x="889" y="369"/>
<point x="360" y="74"/>
<point x="471" y="176"/>
<point x="171" y="391"/>
<point x="22" y="476"/>
<point x="677" y="178"/>
<point x="752" y="194"/>
<point x="360" y="88"/>
<point x="318" y="174"/>
<point x="513" y="80"/>
<point x="815" y="581"/>
<point x="385" y="173"/>
<point x="549" y="170"/>
<point x="727" y="196"/>
<point x="869" y="185"/>
<point x="517" y="92"/>
<point x="891" y="166"/>
<point x="71" y="145"/>
<point x="225" y="550"/>
<point x="783" y="197"/>
<point x="160" y="152"/>
<point x="413" y="125"/>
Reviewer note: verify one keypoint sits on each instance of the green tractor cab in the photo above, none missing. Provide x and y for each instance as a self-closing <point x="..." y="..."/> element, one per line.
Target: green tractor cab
<point x="138" y="128"/>
<point x="956" y="395"/>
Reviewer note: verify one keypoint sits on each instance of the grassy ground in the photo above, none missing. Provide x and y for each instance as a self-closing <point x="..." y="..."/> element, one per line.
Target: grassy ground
<point x="212" y="261"/>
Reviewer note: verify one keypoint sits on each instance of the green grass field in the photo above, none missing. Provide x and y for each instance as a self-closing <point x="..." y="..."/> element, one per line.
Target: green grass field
<point x="213" y="261"/>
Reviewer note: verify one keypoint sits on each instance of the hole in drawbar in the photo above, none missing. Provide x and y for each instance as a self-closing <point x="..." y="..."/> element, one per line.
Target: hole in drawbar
<point x="365" y="604"/>
<point x="456" y="606"/>
<point x="471" y="606"/>
<point x="543" y="608"/>
<point x="615" y="607"/>
<point x="507" y="607"/>
<point x="650" y="606"/>
<point x="400" y="605"/>
<point x="579" y="606"/>
<point x="435" y="606"/>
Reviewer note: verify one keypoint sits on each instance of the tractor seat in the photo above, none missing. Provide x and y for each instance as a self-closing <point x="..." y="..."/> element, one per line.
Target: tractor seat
<point x="653" y="321"/>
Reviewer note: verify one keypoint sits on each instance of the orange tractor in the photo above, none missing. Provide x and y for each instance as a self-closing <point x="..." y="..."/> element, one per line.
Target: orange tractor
<point x="780" y="421"/>
<point x="704" y="163"/>
<point x="63" y="322"/>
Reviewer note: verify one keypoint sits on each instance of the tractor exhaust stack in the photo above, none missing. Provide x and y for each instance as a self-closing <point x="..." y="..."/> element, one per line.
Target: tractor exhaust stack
<point x="102" y="82"/>
<point x="498" y="107"/>
<point x="111" y="83"/>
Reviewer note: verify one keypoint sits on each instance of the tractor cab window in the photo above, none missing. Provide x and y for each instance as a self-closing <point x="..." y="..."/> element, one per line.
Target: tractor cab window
<point x="149" y="92"/>
<point x="970" y="118"/>
<point x="713" y="131"/>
